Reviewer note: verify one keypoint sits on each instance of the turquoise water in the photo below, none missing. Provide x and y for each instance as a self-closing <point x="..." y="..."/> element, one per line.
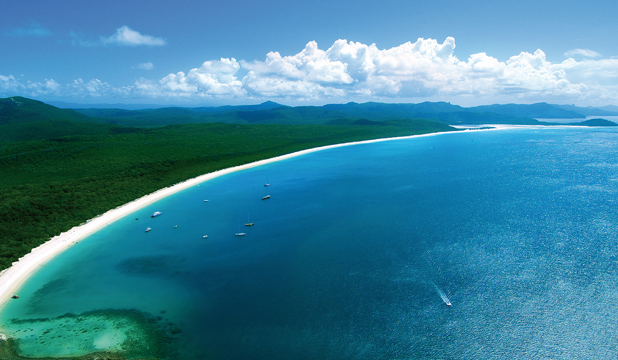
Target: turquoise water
<point x="354" y="256"/>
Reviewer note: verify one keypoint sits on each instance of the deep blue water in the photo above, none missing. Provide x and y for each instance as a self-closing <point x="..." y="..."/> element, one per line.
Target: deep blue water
<point x="348" y="257"/>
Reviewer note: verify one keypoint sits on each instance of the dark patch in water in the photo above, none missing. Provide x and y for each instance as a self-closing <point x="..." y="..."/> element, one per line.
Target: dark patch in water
<point x="55" y="288"/>
<point x="161" y="265"/>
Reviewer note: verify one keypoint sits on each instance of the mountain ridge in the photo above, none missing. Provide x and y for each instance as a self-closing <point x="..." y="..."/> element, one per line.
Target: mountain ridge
<point x="27" y="119"/>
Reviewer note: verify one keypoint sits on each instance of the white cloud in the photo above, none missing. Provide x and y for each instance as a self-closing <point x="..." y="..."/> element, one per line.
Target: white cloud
<point x="425" y="69"/>
<point x="126" y="36"/>
<point x="145" y="66"/>
<point x="351" y="71"/>
<point x="212" y="79"/>
<point x="10" y="85"/>
<point x="582" y="52"/>
<point x="92" y="88"/>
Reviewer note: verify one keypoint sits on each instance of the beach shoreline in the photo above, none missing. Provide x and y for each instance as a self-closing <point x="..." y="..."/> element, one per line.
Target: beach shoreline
<point x="13" y="278"/>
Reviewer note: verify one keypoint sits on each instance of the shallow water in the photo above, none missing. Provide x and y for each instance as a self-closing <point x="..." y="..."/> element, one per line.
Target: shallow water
<point x="349" y="256"/>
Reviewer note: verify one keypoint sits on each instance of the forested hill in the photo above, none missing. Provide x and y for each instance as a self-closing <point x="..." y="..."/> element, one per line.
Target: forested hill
<point x="27" y="119"/>
<point x="273" y="113"/>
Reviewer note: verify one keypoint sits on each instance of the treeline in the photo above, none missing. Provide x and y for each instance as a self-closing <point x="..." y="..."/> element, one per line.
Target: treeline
<point x="48" y="186"/>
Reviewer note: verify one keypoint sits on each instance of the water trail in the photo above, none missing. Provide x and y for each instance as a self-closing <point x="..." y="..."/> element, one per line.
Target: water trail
<point x="442" y="295"/>
<point x="438" y="270"/>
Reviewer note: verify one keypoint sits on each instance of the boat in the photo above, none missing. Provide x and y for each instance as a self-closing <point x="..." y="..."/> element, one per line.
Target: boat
<point x="205" y="200"/>
<point x="175" y="226"/>
<point x="249" y="224"/>
<point x="240" y="234"/>
<point x="266" y="185"/>
<point x="205" y="237"/>
<point x="155" y="214"/>
<point x="148" y="229"/>
<point x="448" y="303"/>
<point x="265" y="197"/>
<point x="14" y="297"/>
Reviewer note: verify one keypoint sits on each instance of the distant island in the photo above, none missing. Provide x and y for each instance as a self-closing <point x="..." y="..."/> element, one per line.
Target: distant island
<point x="62" y="167"/>
<point x="596" y="122"/>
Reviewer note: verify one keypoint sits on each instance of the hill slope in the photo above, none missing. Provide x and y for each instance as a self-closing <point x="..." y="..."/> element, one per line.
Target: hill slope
<point x="25" y="119"/>
<point x="538" y="110"/>
<point x="272" y="113"/>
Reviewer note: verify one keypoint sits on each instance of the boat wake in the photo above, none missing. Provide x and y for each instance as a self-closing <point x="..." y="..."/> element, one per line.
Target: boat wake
<point x="442" y="295"/>
<point x="436" y="269"/>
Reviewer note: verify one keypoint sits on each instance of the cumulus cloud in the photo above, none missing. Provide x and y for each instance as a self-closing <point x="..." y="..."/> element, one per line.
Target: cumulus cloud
<point x="51" y="89"/>
<point x="12" y="85"/>
<point x="422" y="68"/>
<point x="426" y="69"/>
<point x="126" y="36"/>
<point x="212" y="79"/>
<point x="582" y="52"/>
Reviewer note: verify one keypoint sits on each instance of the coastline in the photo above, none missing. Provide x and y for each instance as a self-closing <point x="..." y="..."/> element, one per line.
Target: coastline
<point x="13" y="278"/>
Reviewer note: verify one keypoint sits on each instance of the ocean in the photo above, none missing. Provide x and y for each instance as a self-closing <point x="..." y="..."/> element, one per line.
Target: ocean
<point x="355" y="255"/>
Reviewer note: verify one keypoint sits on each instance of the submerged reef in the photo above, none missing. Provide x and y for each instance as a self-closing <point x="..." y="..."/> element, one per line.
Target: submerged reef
<point x="102" y="334"/>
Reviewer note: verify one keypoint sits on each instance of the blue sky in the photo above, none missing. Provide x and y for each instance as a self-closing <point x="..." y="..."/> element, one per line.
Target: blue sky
<point x="202" y="53"/>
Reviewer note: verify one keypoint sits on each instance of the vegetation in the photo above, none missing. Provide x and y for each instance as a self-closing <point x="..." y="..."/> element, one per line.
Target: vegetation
<point x="49" y="185"/>
<point x="26" y="119"/>
<point x="273" y="113"/>
<point x="538" y="110"/>
<point x="62" y="167"/>
<point x="597" y="122"/>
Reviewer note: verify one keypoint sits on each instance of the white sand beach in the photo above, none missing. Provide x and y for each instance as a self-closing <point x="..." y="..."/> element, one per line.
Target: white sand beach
<point x="12" y="278"/>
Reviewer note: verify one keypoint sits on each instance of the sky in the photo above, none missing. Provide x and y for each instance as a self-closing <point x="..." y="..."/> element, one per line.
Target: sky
<point x="211" y="53"/>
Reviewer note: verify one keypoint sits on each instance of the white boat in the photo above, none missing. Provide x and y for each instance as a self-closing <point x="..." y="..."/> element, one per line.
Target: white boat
<point x="448" y="303"/>
<point x="266" y="185"/>
<point x="205" y="237"/>
<point x="155" y="214"/>
<point x="205" y="200"/>
<point x="240" y="234"/>
<point x="147" y="229"/>
<point x="265" y="197"/>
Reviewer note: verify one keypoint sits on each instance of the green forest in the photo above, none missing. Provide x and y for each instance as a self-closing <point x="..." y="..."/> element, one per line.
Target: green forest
<point x="59" y="168"/>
